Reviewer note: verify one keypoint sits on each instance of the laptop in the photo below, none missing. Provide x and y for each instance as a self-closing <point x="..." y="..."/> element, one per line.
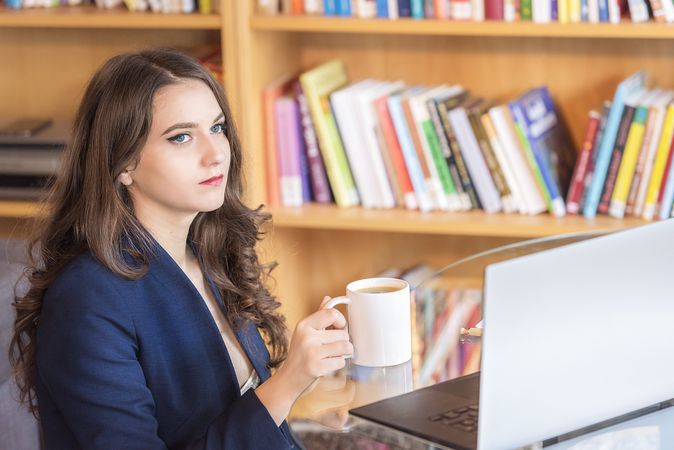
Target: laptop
<point x="573" y="336"/>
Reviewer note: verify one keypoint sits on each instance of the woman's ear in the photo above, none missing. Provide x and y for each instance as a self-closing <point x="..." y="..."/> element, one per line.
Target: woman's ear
<point x="125" y="178"/>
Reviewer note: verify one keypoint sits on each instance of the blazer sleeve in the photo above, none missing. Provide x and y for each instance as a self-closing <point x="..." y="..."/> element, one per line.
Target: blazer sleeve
<point x="86" y="359"/>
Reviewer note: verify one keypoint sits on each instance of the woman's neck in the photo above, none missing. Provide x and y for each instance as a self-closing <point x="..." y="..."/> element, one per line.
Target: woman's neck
<point x="171" y="233"/>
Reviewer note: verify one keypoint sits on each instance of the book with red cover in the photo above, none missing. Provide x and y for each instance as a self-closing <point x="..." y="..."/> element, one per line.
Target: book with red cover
<point x="392" y="146"/>
<point x="577" y="187"/>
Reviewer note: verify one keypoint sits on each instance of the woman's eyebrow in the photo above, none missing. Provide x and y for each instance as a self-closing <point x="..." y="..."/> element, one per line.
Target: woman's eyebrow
<point x="179" y="125"/>
<point x="189" y="124"/>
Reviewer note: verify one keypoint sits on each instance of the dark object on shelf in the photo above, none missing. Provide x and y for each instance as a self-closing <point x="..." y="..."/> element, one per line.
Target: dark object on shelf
<point x="29" y="156"/>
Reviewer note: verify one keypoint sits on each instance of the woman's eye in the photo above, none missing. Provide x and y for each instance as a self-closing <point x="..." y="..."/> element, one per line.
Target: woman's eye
<point x="218" y="128"/>
<point x="180" y="138"/>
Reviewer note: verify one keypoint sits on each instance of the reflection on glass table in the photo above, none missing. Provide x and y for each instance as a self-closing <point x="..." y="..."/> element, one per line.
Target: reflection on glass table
<point x="444" y="301"/>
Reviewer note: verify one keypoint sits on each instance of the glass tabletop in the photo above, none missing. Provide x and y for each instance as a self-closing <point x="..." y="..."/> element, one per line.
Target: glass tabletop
<point x="445" y="303"/>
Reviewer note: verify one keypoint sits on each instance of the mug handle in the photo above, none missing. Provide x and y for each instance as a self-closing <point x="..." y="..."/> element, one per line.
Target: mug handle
<point x="342" y="300"/>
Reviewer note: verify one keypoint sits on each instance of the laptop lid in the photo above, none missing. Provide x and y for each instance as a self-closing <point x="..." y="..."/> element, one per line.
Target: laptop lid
<point x="576" y="335"/>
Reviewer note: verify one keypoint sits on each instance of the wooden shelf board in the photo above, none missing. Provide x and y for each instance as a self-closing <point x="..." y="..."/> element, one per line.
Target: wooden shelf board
<point x="624" y="30"/>
<point x="18" y="209"/>
<point x="91" y="17"/>
<point x="476" y="223"/>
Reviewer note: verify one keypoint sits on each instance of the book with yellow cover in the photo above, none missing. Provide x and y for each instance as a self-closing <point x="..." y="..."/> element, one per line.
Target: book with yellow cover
<point x="628" y="164"/>
<point x="661" y="157"/>
<point x="318" y="84"/>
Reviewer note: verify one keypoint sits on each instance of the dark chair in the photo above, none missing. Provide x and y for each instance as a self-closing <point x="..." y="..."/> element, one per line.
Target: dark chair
<point x="18" y="428"/>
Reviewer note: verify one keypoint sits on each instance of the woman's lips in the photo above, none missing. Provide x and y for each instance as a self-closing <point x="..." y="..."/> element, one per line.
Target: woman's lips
<point x="214" y="181"/>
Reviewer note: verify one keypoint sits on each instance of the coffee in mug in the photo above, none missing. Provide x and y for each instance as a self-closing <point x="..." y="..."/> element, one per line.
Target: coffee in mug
<point x="380" y="326"/>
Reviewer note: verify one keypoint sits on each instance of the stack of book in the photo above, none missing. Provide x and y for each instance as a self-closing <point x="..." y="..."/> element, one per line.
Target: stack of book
<point x="159" y="6"/>
<point x="625" y="166"/>
<point x="537" y="11"/>
<point x="384" y="144"/>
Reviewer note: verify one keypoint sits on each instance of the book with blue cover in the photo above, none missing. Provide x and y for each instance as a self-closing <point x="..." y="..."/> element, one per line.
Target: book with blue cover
<point x="627" y="87"/>
<point x="548" y="138"/>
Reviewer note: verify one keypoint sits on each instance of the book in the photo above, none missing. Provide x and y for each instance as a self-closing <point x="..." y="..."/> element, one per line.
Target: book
<point x="432" y="105"/>
<point x="504" y="164"/>
<point x="444" y="107"/>
<point x="368" y="127"/>
<point x="533" y="201"/>
<point x="470" y="149"/>
<point x="630" y="156"/>
<point x="606" y="107"/>
<point x="475" y="112"/>
<point x="318" y="84"/>
<point x="433" y="183"/>
<point x="628" y="86"/>
<point x="392" y="145"/>
<point x="414" y="167"/>
<point x="270" y="94"/>
<point x="661" y="157"/>
<point x="431" y="146"/>
<point x="582" y="164"/>
<point x="549" y="141"/>
<point x="668" y="191"/>
<point x="649" y="131"/>
<point x="288" y="145"/>
<point x="344" y="105"/>
<point x="320" y="187"/>
<point x="658" y="113"/>
<point x="618" y="149"/>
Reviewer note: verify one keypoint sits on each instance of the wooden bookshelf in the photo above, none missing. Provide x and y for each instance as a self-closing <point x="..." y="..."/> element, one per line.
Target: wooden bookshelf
<point x="18" y="209"/>
<point x="471" y="224"/>
<point x="52" y="53"/>
<point x="91" y="17"/>
<point x="624" y="30"/>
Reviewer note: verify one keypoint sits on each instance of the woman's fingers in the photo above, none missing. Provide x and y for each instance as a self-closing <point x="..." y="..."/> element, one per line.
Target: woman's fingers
<point x="336" y="349"/>
<point x="326" y="299"/>
<point x="328" y="336"/>
<point x="325" y="318"/>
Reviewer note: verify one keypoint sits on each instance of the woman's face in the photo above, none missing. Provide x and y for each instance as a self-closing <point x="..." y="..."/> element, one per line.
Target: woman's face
<point x="184" y="164"/>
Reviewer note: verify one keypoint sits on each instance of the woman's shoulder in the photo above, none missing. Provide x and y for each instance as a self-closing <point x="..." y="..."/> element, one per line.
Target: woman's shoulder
<point x="85" y="281"/>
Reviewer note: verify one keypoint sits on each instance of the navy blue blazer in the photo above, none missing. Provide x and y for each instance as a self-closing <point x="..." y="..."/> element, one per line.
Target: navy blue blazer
<point x="141" y="365"/>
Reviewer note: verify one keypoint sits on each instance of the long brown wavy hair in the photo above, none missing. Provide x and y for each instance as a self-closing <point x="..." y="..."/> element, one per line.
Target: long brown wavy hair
<point x="88" y="209"/>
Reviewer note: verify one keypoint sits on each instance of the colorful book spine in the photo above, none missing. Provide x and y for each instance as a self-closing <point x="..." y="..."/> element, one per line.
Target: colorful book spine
<point x="404" y="8"/>
<point x="288" y="145"/>
<point x="447" y="153"/>
<point x="417" y="9"/>
<point x="537" y="160"/>
<point x="269" y="96"/>
<point x="493" y="10"/>
<point x="643" y="153"/>
<point x="504" y="163"/>
<point x="409" y="153"/>
<point x="668" y="191"/>
<point x="616" y="158"/>
<point x="627" y="87"/>
<point x="466" y="180"/>
<point x="526" y="10"/>
<point x="475" y="113"/>
<point x="317" y="84"/>
<point x="396" y="154"/>
<point x="661" y="157"/>
<point x="319" y="179"/>
<point x="582" y="164"/>
<point x="628" y="163"/>
<point x="484" y="185"/>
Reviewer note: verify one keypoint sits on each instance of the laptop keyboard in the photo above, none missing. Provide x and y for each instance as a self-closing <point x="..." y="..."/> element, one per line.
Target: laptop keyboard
<point x="463" y="418"/>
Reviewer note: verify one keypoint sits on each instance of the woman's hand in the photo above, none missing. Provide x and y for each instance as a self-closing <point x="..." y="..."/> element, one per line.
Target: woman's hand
<point x="315" y="350"/>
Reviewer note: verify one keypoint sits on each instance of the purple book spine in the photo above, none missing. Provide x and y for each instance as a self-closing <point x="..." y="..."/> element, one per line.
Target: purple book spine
<point x="304" y="165"/>
<point x="318" y="177"/>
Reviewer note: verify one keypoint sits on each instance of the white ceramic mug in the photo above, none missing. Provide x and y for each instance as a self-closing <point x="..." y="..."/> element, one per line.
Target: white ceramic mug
<point x="379" y="321"/>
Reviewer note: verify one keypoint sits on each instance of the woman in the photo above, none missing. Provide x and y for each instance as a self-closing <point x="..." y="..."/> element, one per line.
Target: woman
<point x="141" y="327"/>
